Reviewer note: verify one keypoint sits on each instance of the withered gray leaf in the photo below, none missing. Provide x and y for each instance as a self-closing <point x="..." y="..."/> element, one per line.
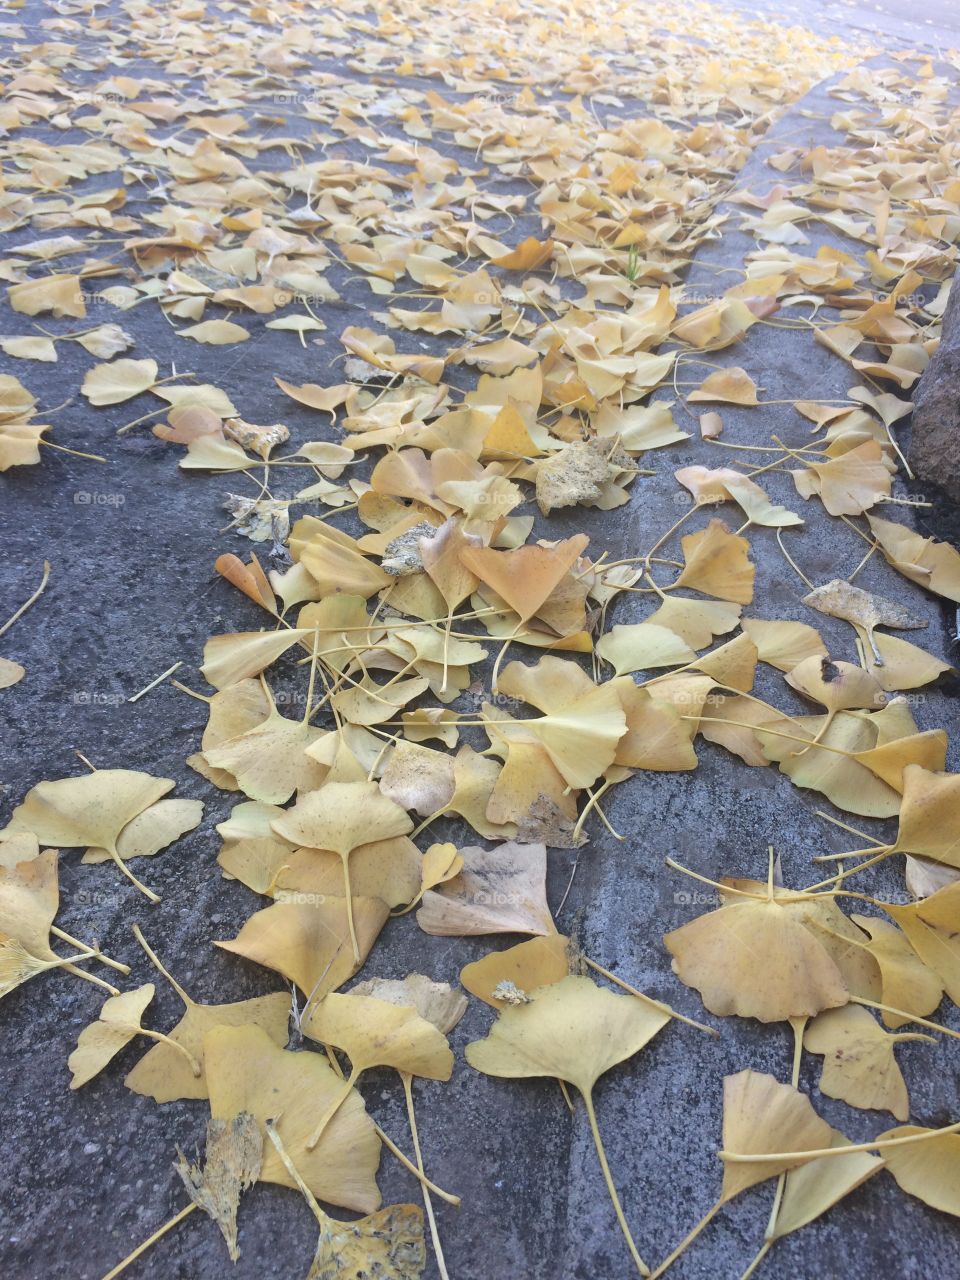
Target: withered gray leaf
<point x="840" y="599"/>
<point x="233" y="1156"/>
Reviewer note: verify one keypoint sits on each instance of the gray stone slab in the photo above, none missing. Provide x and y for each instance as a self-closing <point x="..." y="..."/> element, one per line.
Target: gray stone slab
<point x="935" y="441"/>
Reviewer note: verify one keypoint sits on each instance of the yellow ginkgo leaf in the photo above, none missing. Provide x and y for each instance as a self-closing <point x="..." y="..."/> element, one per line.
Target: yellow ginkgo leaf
<point x="527" y="256"/>
<point x="89" y="811"/>
<point x="60" y="295"/>
<point x="152" y="830"/>
<point x="732" y="722"/>
<point x="230" y="713"/>
<point x="527" y="577"/>
<point x="657" y="736"/>
<point x="118" y="1023"/>
<point x="817" y="1185"/>
<point x="198" y="396"/>
<point x="902" y="665"/>
<point x="326" y="399"/>
<point x="696" y="621"/>
<point x="929" y="1170"/>
<point x="105" y="340"/>
<point x="216" y="333"/>
<point x="214" y="452"/>
<point x="929" y="816"/>
<point x="228" y="659"/>
<point x="643" y="646"/>
<point x="766" y="1125"/>
<point x="475" y="777"/>
<point x="437" y="1004"/>
<point x="756" y="957"/>
<point x="575" y="1031"/>
<point x="508" y="977"/>
<point x="571" y="1029"/>
<point x="732" y="665"/>
<point x="246" y="1071"/>
<point x="270" y="761"/>
<point x="859" y="1066"/>
<point x="166" y="1072"/>
<point x="248" y="578"/>
<point x="376" y="1033"/>
<point x="16" y="402"/>
<point x="337" y="565"/>
<point x="930" y="927"/>
<point x="340" y="817"/>
<point x="823" y="767"/>
<point x="717" y="563"/>
<point x="20" y="444"/>
<point x="373" y="1032"/>
<point x="310" y="942"/>
<point x="440" y="556"/>
<point x="838" y="686"/>
<point x="441" y="862"/>
<point x="118" y="381"/>
<point x="724" y="484"/>
<point x="935" y="565"/>
<point x="850" y="484"/>
<point x="42" y="349"/>
<point x="784" y="644"/>
<point x="728" y="386"/>
<point x="582" y="724"/>
<point x="367" y="703"/>
<point x="906" y="982"/>
<point x="717" y="325"/>
<point x="639" y="427"/>
<point x="761" y="1117"/>
<point x="29" y="901"/>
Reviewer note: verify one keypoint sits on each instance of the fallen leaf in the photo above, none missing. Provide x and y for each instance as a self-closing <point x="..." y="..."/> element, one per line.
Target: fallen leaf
<point x="118" y="1023"/>
<point x="234" y="1150"/>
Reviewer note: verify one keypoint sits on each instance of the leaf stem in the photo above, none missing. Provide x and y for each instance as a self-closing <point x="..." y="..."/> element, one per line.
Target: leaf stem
<point x="657" y="1004"/>
<point x="26" y="605"/>
<point x="71" y="967"/>
<point x="142" y="1248"/>
<point x="332" y="1110"/>
<point x="688" y="1239"/>
<point x="155" y="961"/>
<point x="354" y="942"/>
<point x="74" y="453"/>
<point x="165" y="1039"/>
<point x="801" y="1157"/>
<point x="407" y="1079"/>
<point x="761" y="1254"/>
<point x="608" y="1179"/>
<point x="903" y="1013"/>
<point x="75" y="942"/>
<point x="153" y="683"/>
<point x="408" y="1164"/>
<point x="154" y="897"/>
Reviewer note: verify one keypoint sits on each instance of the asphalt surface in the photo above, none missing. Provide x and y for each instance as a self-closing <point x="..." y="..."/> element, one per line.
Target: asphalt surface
<point x="87" y="1175"/>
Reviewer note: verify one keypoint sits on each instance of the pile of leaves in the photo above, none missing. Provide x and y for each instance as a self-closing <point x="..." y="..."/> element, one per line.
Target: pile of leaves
<point x="451" y="654"/>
